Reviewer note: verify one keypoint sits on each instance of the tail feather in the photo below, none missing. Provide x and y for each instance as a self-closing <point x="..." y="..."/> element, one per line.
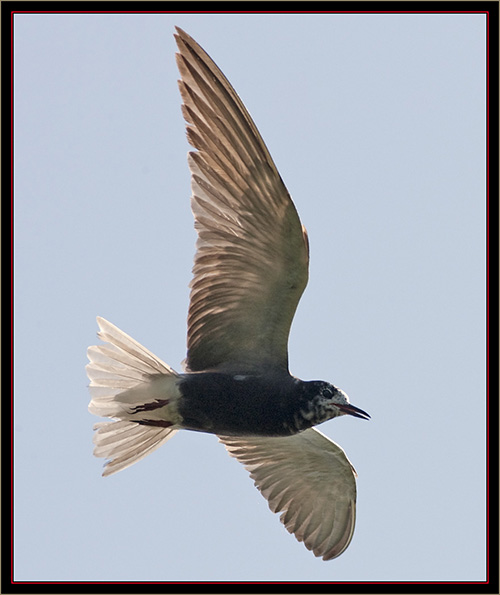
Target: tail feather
<point x="129" y="384"/>
<point x="124" y="443"/>
<point x="133" y="352"/>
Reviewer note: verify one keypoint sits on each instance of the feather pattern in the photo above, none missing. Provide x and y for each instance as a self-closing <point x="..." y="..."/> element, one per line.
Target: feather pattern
<point x="251" y="264"/>
<point x="309" y="479"/>
<point x="125" y="375"/>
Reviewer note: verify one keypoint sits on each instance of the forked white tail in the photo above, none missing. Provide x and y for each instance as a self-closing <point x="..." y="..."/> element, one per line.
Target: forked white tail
<point x="132" y="386"/>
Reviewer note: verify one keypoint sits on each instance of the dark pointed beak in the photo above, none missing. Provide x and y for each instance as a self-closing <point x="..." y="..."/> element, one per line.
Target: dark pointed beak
<point x="354" y="411"/>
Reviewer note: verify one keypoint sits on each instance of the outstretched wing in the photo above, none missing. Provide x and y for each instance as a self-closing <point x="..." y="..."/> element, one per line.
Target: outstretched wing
<point x="309" y="479"/>
<point x="251" y="264"/>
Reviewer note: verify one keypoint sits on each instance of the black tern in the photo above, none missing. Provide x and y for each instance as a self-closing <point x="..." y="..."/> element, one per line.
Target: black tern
<point x="250" y="270"/>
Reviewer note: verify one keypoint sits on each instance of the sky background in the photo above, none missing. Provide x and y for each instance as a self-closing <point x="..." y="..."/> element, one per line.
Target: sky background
<point x="376" y="123"/>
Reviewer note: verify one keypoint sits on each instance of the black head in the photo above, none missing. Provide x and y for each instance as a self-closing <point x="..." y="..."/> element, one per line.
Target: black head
<point x="330" y="401"/>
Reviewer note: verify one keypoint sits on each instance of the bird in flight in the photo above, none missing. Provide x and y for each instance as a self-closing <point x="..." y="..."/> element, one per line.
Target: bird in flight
<point x="250" y="269"/>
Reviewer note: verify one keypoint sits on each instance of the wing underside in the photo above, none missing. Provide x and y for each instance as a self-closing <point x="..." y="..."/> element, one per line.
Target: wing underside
<point x="309" y="479"/>
<point x="251" y="263"/>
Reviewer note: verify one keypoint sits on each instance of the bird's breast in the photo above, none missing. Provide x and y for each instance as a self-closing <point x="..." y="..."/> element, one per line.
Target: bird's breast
<point x="240" y="404"/>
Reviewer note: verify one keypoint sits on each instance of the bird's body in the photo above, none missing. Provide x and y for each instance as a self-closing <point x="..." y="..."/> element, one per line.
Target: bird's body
<point x="265" y="405"/>
<point x="238" y="404"/>
<point x="251" y="267"/>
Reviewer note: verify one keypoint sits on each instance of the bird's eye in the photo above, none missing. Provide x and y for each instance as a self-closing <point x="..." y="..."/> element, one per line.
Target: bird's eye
<point x="327" y="393"/>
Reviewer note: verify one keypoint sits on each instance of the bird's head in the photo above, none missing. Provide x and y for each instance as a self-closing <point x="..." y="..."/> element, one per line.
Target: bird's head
<point x="330" y="401"/>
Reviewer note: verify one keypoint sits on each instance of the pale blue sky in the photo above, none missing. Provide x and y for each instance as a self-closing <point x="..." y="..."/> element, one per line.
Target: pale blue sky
<point x="376" y="123"/>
